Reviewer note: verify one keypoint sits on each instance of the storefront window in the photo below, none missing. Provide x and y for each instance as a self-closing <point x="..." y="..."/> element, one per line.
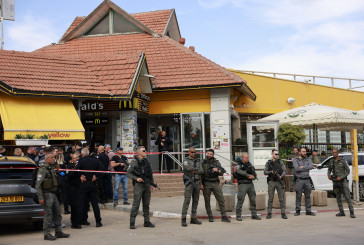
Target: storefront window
<point x="192" y="130"/>
<point x="207" y="131"/>
<point x="263" y="136"/>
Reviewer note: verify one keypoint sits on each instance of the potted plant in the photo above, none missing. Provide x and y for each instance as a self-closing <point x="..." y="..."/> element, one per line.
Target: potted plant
<point x="29" y="139"/>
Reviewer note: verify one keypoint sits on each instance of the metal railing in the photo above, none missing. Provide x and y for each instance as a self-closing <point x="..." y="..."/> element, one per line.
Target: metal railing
<point x="312" y="78"/>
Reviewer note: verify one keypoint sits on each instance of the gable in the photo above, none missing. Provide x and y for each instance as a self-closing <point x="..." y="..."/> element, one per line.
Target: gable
<point x="112" y="23"/>
<point x="93" y="19"/>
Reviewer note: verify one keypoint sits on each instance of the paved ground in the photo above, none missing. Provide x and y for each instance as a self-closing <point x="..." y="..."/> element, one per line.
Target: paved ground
<point x="322" y="229"/>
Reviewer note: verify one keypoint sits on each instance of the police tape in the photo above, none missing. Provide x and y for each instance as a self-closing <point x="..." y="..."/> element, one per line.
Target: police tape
<point x="161" y="174"/>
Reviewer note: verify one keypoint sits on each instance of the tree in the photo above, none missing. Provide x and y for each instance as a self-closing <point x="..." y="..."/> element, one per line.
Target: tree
<point x="290" y="134"/>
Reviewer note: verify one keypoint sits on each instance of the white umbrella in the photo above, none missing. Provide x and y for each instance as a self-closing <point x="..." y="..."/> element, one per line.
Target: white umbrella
<point x="324" y="117"/>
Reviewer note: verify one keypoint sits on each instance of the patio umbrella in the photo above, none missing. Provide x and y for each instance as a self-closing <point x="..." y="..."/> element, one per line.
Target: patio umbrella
<point x="324" y="117"/>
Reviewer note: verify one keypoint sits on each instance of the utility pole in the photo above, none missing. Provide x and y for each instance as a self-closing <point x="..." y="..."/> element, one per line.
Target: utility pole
<point x="2" y="24"/>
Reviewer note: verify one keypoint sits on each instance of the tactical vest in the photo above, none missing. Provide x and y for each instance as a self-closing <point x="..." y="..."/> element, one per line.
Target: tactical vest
<point x="277" y="167"/>
<point x="144" y="169"/>
<point x="244" y="167"/>
<point x="50" y="181"/>
<point x="209" y="174"/>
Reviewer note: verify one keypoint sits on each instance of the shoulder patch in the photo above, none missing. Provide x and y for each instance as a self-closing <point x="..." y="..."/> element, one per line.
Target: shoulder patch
<point x="185" y="163"/>
<point x="39" y="177"/>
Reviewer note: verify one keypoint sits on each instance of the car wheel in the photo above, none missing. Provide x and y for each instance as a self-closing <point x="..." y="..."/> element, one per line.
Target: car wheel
<point x="38" y="225"/>
<point x="361" y="189"/>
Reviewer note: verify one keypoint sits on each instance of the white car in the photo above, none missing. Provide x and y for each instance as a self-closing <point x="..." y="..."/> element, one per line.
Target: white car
<point x="321" y="182"/>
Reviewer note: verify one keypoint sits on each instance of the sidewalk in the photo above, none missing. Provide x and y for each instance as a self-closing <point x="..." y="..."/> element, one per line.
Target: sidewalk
<point x="171" y="207"/>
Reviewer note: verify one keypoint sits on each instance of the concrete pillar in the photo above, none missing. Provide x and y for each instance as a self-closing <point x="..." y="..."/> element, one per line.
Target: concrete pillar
<point x="129" y="134"/>
<point x="220" y="120"/>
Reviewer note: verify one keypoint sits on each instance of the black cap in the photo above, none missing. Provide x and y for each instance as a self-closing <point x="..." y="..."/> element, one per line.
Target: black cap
<point x="119" y="149"/>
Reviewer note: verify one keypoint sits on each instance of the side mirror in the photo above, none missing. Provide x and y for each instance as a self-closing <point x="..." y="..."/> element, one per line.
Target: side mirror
<point x="319" y="167"/>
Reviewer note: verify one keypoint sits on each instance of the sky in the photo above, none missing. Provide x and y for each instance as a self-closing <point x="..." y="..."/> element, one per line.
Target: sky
<point x="313" y="37"/>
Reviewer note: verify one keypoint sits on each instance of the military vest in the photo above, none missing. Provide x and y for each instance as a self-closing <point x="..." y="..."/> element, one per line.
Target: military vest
<point x="248" y="167"/>
<point x="50" y="181"/>
<point x="277" y="167"/>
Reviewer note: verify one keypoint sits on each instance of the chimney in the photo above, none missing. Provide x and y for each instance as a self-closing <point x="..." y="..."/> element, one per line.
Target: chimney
<point x="192" y="48"/>
<point x="182" y="40"/>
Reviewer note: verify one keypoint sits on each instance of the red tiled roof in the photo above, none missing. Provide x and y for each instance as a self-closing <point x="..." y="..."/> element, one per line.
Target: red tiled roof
<point x="155" y="20"/>
<point x="96" y="75"/>
<point x="76" y="21"/>
<point x="171" y="63"/>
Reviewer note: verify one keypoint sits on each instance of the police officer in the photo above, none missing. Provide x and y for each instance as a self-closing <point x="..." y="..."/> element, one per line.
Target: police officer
<point x="163" y="143"/>
<point x="140" y="171"/>
<point x="276" y="171"/>
<point x="245" y="174"/>
<point x="302" y="166"/>
<point x="315" y="158"/>
<point x="337" y="172"/>
<point x="88" y="189"/>
<point x="46" y="187"/>
<point x="193" y="169"/>
<point x="211" y="183"/>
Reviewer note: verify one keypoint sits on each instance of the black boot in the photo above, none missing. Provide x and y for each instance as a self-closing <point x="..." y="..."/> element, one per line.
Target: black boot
<point x="62" y="235"/>
<point x="132" y="225"/>
<point x="195" y="221"/>
<point x="269" y="216"/>
<point x="148" y="224"/>
<point x="184" y="222"/>
<point x="211" y="219"/>
<point x="284" y="216"/>
<point x="225" y="219"/>
<point x="352" y="215"/>
<point x="49" y="237"/>
<point x="341" y="213"/>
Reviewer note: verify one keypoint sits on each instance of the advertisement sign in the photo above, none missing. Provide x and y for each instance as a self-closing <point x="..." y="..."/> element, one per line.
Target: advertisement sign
<point x="8" y="9"/>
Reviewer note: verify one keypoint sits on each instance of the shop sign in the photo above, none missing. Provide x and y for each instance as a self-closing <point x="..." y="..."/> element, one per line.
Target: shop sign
<point x="96" y="121"/>
<point x="143" y="103"/>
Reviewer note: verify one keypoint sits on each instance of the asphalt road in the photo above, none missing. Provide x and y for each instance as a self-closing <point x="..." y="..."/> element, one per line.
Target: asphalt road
<point x="323" y="229"/>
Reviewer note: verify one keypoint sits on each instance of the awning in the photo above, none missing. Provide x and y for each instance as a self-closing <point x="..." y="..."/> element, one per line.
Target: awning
<point x="56" y="118"/>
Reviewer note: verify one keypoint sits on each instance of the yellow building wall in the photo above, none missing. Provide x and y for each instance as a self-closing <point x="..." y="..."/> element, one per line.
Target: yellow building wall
<point x="180" y="102"/>
<point x="272" y="94"/>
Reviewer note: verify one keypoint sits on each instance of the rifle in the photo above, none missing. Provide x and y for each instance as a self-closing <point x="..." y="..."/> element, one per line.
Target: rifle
<point x="189" y="178"/>
<point x="249" y="169"/>
<point x="212" y="165"/>
<point x="146" y="180"/>
<point x="276" y="174"/>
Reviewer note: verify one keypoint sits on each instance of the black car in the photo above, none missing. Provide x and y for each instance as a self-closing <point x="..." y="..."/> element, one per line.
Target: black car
<point x="17" y="197"/>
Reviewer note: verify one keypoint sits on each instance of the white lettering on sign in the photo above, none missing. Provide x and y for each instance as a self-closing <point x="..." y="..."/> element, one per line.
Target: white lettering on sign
<point x="92" y="106"/>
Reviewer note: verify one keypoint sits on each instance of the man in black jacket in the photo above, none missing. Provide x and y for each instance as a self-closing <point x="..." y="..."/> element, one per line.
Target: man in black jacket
<point x="163" y="143"/>
<point x="88" y="188"/>
<point x="102" y="181"/>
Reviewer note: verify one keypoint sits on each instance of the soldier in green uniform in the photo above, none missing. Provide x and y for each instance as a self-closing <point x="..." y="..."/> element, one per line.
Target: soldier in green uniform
<point x="211" y="183"/>
<point x="315" y="158"/>
<point x="245" y="174"/>
<point x="276" y="171"/>
<point x="193" y="169"/>
<point x="46" y="187"/>
<point x="140" y="171"/>
<point x="337" y="172"/>
<point x="291" y="169"/>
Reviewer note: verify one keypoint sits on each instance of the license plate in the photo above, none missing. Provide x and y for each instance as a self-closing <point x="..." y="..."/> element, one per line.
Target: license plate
<point x="12" y="199"/>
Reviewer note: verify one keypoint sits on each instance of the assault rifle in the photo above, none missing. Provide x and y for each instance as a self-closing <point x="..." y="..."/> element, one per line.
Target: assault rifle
<point x="212" y="165"/>
<point x="186" y="174"/>
<point x="146" y="180"/>
<point x="275" y="174"/>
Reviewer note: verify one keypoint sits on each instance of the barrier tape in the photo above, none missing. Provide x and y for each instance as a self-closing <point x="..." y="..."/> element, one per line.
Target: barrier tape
<point x="162" y="174"/>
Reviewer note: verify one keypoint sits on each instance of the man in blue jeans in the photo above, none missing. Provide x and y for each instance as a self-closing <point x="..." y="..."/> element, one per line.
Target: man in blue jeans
<point x="120" y="164"/>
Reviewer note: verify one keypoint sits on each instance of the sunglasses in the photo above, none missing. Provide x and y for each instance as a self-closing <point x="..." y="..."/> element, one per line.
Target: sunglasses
<point x="276" y="154"/>
<point x="192" y="152"/>
<point x="143" y="150"/>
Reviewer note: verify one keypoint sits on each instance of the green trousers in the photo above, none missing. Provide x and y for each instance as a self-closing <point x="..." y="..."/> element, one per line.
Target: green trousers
<point x="244" y="189"/>
<point x="141" y="193"/>
<point x="191" y="191"/>
<point x="52" y="212"/>
<point x="272" y="186"/>
<point x="214" y="187"/>
<point x="346" y="194"/>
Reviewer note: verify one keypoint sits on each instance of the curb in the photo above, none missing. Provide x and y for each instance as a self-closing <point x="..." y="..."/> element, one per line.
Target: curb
<point x="169" y="215"/>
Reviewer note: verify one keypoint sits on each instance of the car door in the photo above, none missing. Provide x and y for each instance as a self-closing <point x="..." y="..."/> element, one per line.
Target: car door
<point x="319" y="177"/>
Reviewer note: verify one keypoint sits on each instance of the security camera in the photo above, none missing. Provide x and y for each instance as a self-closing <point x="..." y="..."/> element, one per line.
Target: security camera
<point x="291" y="100"/>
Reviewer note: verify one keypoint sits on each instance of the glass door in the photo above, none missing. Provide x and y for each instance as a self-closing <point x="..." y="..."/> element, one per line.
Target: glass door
<point x="262" y="139"/>
<point x="193" y="132"/>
